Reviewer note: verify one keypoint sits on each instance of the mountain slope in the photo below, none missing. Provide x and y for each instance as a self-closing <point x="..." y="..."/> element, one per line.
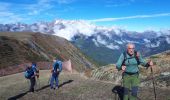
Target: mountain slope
<point x="107" y="49"/>
<point x="102" y="44"/>
<point x="23" y="47"/>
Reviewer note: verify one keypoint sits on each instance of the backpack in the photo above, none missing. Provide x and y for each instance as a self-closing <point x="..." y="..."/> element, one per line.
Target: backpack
<point x="56" y="66"/>
<point x="35" y="69"/>
<point x="135" y="55"/>
<point x="28" y="73"/>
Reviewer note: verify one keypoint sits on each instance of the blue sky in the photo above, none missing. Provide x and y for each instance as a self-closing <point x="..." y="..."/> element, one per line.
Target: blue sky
<point x="137" y="15"/>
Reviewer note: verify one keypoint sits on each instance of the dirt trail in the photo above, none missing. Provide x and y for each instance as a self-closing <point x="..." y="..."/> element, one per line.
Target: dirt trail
<point x="72" y="87"/>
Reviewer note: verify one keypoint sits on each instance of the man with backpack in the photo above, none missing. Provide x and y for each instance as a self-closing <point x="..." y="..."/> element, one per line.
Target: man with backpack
<point x="30" y="73"/>
<point x="57" y="68"/>
<point x="128" y="62"/>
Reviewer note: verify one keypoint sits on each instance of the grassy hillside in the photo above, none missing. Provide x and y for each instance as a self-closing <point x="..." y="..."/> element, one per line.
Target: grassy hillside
<point x="72" y="87"/>
<point x="23" y="47"/>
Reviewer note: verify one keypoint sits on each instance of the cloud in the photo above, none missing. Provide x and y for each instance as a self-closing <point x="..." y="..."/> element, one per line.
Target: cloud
<point x="115" y="5"/>
<point x="4" y="7"/>
<point x="101" y="40"/>
<point x="95" y="42"/>
<point x="118" y="3"/>
<point x="10" y="18"/>
<point x="112" y="46"/>
<point x="155" y="44"/>
<point x="130" y="17"/>
<point x="64" y="1"/>
<point x="34" y="12"/>
<point x="24" y="12"/>
<point x="69" y="28"/>
<point x="37" y="8"/>
<point x="168" y="40"/>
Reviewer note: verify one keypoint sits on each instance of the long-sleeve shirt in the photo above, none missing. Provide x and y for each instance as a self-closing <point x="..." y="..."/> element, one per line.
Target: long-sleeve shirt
<point x="130" y="63"/>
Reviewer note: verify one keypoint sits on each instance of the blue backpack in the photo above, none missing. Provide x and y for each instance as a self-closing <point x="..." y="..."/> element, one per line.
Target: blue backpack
<point x="28" y="73"/>
<point x="57" y="65"/>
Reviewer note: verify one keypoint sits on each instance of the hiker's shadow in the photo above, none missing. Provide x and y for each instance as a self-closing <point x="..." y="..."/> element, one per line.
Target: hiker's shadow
<point x="17" y="96"/>
<point x="44" y="87"/>
<point x="67" y="82"/>
<point x="118" y="91"/>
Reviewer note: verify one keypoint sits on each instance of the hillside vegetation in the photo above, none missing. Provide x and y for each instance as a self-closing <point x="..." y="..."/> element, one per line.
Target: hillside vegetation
<point x="23" y="47"/>
<point x="72" y="87"/>
<point x="161" y="72"/>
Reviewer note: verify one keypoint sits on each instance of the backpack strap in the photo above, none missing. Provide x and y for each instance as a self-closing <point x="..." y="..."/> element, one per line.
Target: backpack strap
<point x="56" y="66"/>
<point x="137" y="57"/>
<point x="125" y="58"/>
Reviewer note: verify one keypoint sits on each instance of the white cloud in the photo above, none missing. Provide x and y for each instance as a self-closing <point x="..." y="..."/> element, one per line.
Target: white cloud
<point x="164" y="32"/>
<point x="6" y="16"/>
<point x="9" y="17"/>
<point x="101" y="41"/>
<point x="119" y="42"/>
<point x="155" y="45"/>
<point x="168" y="40"/>
<point x="130" y="17"/>
<point x="146" y="40"/>
<point x="73" y="27"/>
<point x="95" y="42"/>
<point x="34" y="12"/>
<point x="112" y="46"/>
<point x="37" y="8"/>
<point x="64" y="1"/>
<point x="118" y="3"/>
<point x="130" y="41"/>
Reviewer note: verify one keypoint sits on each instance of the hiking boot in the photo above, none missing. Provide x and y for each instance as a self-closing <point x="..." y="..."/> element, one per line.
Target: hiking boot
<point x="56" y="88"/>
<point x="31" y="90"/>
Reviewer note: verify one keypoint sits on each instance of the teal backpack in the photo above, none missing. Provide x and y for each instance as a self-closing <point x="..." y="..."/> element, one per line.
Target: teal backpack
<point x="28" y="73"/>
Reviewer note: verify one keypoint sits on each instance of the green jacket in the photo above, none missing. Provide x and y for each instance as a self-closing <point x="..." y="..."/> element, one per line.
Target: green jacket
<point x="130" y="63"/>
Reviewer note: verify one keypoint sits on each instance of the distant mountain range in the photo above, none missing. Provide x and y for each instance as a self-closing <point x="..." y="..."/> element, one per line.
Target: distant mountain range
<point x="103" y="44"/>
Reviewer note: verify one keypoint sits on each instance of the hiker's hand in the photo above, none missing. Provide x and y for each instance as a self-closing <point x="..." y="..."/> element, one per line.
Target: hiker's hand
<point x="51" y="71"/>
<point x="123" y="68"/>
<point x="37" y="75"/>
<point x="150" y="63"/>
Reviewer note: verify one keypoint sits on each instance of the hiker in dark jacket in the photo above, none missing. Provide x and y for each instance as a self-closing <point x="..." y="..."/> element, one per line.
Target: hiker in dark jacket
<point x="31" y="73"/>
<point x="57" y="68"/>
<point x="128" y="62"/>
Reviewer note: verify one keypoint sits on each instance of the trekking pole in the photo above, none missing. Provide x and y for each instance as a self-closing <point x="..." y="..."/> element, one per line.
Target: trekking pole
<point x="49" y="76"/>
<point x="153" y="82"/>
<point x="38" y="81"/>
<point x="49" y="80"/>
<point x="28" y="83"/>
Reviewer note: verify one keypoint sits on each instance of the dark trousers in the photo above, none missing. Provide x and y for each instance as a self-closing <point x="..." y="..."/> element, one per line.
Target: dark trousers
<point x="32" y="81"/>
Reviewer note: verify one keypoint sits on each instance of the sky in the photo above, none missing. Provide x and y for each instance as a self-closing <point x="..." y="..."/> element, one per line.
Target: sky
<point x="135" y="15"/>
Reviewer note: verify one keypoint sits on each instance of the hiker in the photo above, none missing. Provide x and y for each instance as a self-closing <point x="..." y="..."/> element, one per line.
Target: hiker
<point x="128" y="62"/>
<point x="57" y="68"/>
<point x="35" y="68"/>
<point x="31" y="73"/>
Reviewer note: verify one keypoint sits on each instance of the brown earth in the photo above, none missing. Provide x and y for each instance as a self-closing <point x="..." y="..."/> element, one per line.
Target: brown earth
<point x="72" y="87"/>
